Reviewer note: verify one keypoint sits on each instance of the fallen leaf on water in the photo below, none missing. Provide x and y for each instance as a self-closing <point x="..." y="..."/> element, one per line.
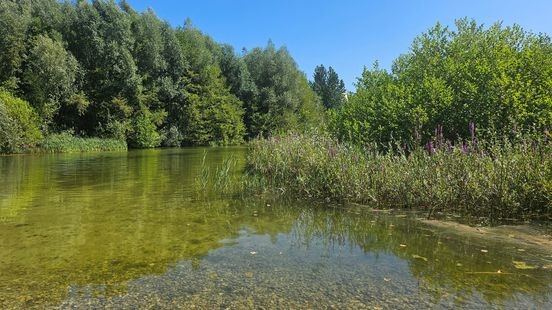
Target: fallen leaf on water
<point x="522" y="265"/>
<point x="402" y="245"/>
<point x="484" y="251"/>
<point x="419" y="257"/>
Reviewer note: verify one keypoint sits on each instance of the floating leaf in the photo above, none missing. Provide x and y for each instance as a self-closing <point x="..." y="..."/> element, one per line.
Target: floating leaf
<point x="523" y="265"/>
<point x="402" y="245"/>
<point x="484" y="251"/>
<point x="419" y="257"/>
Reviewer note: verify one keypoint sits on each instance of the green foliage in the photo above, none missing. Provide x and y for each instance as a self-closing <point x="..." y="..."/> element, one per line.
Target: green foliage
<point x="66" y="142"/>
<point x="494" y="179"/>
<point x="498" y="78"/>
<point x="145" y="134"/>
<point x="19" y="124"/>
<point x="14" y="22"/>
<point x="213" y="115"/>
<point x="279" y="92"/>
<point x="49" y="79"/>
<point x="98" y="68"/>
<point x="329" y="87"/>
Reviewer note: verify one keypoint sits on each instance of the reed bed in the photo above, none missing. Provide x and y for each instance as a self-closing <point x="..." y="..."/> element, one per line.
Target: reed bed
<point x="496" y="179"/>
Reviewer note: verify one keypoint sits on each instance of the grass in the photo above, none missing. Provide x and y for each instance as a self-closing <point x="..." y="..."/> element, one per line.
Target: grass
<point x="224" y="178"/>
<point x="67" y="143"/>
<point x="495" y="180"/>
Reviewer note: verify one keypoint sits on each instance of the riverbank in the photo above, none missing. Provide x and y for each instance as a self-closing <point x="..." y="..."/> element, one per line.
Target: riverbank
<point x="67" y="143"/>
<point x="490" y="180"/>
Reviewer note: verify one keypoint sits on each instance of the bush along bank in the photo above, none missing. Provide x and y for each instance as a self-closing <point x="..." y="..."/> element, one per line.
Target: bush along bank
<point x="495" y="179"/>
<point x="68" y="143"/>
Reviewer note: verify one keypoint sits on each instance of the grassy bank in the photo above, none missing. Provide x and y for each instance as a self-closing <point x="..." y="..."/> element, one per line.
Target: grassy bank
<point x="67" y="143"/>
<point x="495" y="180"/>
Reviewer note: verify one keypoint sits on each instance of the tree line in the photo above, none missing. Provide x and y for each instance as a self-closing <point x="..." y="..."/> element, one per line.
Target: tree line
<point x="453" y="82"/>
<point x="99" y="68"/>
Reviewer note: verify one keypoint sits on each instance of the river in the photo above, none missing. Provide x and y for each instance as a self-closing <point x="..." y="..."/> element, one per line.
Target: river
<point x="134" y="230"/>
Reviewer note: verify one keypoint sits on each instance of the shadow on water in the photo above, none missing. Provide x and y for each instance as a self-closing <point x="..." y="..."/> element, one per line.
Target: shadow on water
<point x="129" y="229"/>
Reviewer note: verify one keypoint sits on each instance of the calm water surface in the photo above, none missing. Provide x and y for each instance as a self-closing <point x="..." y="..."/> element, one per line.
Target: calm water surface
<point x="132" y="230"/>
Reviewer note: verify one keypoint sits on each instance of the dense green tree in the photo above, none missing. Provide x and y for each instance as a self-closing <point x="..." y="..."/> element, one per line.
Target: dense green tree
<point x="237" y="76"/>
<point x="497" y="78"/>
<point x="14" y="22"/>
<point x="328" y="86"/>
<point x="50" y="76"/>
<point x="278" y="98"/>
<point x="212" y="114"/>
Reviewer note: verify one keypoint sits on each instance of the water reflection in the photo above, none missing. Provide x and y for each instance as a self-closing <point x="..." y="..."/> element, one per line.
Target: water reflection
<point x="130" y="228"/>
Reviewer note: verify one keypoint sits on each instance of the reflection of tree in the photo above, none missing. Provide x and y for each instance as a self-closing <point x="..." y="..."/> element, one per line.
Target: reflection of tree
<point x="446" y="263"/>
<point x="106" y="218"/>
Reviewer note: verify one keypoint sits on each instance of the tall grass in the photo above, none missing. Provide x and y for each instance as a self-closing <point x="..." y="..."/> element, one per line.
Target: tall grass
<point x="223" y="178"/>
<point x="496" y="179"/>
<point x="67" y="143"/>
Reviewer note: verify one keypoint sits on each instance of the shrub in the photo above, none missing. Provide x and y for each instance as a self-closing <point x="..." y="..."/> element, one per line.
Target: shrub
<point x="19" y="124"/>
<point x="66" y="142"/>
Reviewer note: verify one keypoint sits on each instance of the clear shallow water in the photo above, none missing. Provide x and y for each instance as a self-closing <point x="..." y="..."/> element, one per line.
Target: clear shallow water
<point x="131" y="230"/>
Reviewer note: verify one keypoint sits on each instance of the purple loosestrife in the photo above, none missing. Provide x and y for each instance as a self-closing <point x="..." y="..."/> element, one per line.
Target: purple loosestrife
<point x="464" y="148"/>
<point x="430" y="148"/>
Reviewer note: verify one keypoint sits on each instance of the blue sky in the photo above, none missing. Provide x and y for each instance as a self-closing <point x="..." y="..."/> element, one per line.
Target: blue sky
<point x="343" y="34"/>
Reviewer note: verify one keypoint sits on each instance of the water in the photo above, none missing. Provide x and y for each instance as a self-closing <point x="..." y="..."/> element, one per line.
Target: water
<point x="133" y="230"/>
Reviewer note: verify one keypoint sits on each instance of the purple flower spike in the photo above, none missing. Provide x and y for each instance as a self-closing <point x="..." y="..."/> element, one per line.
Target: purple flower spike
<point x="464" y="148"/>
<point x="430" y="148"/>
<point x="472" y="131"/>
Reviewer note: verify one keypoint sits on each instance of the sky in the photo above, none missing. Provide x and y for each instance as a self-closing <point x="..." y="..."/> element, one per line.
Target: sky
<point x="346" y="35"/>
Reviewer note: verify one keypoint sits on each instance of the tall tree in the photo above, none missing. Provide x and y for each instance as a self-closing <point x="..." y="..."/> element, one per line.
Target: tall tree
<point x="279" y="99"/>
<point x="328" y="86"/>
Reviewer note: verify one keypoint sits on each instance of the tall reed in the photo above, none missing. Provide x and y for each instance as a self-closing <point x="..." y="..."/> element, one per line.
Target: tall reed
<point x="495" y="179"/>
